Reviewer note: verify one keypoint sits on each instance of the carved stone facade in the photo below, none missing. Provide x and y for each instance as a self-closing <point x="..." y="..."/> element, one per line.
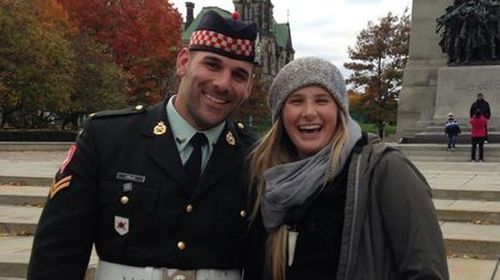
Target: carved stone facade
<point x="275" y="41"/>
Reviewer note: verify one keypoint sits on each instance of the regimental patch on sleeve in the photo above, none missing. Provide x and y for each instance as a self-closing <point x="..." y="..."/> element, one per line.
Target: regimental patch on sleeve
<point x="69" y="157"/>
<point x="59" y="185"/>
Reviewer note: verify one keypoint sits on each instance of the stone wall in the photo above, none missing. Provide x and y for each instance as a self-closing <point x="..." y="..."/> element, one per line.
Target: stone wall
<point x="458" y="87"/>
<point x="418" y="96"/>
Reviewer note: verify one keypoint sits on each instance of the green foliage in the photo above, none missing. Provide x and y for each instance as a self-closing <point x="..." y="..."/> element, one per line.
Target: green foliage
<point x="50" y="70"/>
<point x="261" y="128"/>
<point x="372" y="128"/>
<point x="101" y="83"/>
<point x="36" y="66"/>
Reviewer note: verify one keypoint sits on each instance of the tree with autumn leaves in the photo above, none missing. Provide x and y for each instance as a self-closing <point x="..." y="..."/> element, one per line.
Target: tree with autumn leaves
<point x="36" y="62"/>
<point x="66" y="58"/>
<point x="142" y="36"/>
<point x="378" y="61"/>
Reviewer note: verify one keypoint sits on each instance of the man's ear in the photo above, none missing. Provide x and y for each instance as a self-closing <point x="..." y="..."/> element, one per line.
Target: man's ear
<point x="182" y="62"/>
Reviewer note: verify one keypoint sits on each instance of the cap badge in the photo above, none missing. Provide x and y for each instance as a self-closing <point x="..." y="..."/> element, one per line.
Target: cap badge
<point x="230" y="138"/>
<point x="160" y="128"/>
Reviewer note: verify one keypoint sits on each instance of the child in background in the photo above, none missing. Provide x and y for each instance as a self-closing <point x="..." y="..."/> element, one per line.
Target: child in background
<point x="452" y="130"/>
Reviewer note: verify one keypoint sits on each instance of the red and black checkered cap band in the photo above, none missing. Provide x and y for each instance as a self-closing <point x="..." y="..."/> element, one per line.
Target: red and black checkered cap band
<point x="220" y="43"/>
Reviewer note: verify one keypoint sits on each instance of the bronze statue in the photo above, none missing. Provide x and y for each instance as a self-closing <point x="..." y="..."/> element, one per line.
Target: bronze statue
<point x="469" y="32"/>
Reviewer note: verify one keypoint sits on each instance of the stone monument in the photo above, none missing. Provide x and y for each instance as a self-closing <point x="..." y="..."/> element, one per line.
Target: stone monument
<point x="453" y="56"/>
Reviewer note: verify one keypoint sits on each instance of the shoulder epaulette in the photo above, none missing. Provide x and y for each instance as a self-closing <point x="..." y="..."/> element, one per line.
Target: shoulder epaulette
<point x="112" y="113"/>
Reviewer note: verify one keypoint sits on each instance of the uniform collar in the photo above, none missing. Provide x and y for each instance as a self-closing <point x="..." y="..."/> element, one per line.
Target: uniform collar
<point x="182" y="131"/>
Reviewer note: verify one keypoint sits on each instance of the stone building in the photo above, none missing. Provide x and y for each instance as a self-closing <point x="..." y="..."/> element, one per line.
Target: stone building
<point x="274" y="42"/>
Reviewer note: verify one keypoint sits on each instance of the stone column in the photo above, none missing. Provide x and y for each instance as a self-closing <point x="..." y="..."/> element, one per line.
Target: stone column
<point x="418" y="96"/>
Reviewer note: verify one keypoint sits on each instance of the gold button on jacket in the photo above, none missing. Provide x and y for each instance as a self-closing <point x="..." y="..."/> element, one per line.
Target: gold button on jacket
<point x="124" y="199"/>
<point x="181" y="245"/>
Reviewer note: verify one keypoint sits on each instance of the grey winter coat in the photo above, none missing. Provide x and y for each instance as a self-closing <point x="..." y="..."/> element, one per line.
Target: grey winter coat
<point x="390" y="227"/>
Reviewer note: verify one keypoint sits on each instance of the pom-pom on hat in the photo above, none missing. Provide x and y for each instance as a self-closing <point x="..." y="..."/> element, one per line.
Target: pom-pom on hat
<point x="303" y="72"/>
<point x="229" y="37"/>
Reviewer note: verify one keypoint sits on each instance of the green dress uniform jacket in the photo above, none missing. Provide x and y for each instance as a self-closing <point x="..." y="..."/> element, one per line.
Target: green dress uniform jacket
<point x="124" y="191"/>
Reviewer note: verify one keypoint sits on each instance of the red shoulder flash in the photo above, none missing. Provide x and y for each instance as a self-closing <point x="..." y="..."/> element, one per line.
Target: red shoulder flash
<point x="69" y="157"/>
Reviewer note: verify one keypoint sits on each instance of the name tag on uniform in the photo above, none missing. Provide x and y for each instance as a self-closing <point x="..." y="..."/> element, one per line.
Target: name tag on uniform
<point x="130" y="177"/>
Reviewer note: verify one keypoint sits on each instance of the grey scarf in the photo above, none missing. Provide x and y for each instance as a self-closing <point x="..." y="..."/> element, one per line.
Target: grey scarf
<point x="291" y="184"/>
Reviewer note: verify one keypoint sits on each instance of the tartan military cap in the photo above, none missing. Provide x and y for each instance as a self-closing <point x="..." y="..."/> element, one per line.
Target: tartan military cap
<point x="229" y="37"/>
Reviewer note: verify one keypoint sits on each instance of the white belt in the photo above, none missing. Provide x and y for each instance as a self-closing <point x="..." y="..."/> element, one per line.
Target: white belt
<point x="113" y="271"/>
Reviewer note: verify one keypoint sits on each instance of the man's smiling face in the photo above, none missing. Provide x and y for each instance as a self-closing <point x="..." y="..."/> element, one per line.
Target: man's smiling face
<point x="212" y="87"/>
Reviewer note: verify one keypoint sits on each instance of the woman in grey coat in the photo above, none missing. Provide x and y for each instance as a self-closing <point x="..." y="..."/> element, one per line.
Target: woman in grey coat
<point x="332" y="203"/>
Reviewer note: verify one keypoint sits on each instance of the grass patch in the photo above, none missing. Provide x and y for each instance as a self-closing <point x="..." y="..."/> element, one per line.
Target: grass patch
<point x="372" y="128"/>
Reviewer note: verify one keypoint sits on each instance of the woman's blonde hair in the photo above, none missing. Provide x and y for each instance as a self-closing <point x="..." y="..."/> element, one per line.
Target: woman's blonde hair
<point x="273" y="149"/>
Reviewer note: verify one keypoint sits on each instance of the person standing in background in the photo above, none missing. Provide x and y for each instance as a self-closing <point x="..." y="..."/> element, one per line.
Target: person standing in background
<point x="452" y="130"/>
<point x="484" y="107"/>
<point x="478" y="125"/>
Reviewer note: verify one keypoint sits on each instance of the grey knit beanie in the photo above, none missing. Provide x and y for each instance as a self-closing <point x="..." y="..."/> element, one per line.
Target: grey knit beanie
<point x="307" y="71"/>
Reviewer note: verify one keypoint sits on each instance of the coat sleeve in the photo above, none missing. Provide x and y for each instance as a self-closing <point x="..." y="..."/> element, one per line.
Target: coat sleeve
<point x="255" y="243"/>
<point x="409" y="219"/>
<point x="63" y="240"/>
<point x="256" y="250"/>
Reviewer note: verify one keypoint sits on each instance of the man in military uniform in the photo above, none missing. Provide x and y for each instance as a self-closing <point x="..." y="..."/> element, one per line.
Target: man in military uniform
<point x="160" y="192"/>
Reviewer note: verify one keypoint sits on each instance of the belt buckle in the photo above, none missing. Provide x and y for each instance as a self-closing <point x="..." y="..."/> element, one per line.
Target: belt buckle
<point x="182" y="275"/>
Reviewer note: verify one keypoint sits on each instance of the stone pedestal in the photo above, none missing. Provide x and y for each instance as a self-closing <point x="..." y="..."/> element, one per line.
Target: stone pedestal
<point x="457" y="88"/>
<point x="431" y="89"/>
<point x="417" y="98"/>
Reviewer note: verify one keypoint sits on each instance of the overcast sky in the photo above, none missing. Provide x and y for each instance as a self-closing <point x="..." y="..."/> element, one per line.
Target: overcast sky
<point x="320" y="28"/>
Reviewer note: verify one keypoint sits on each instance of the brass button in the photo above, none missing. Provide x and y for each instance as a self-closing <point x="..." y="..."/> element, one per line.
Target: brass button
<point x="181" y="245"/>
<point x="241" y="126"/>
<point x="243" y="213"/>
<point x="124" y="199"/>
<point x="189" y="208"/>
<point x="138" y="107"/>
